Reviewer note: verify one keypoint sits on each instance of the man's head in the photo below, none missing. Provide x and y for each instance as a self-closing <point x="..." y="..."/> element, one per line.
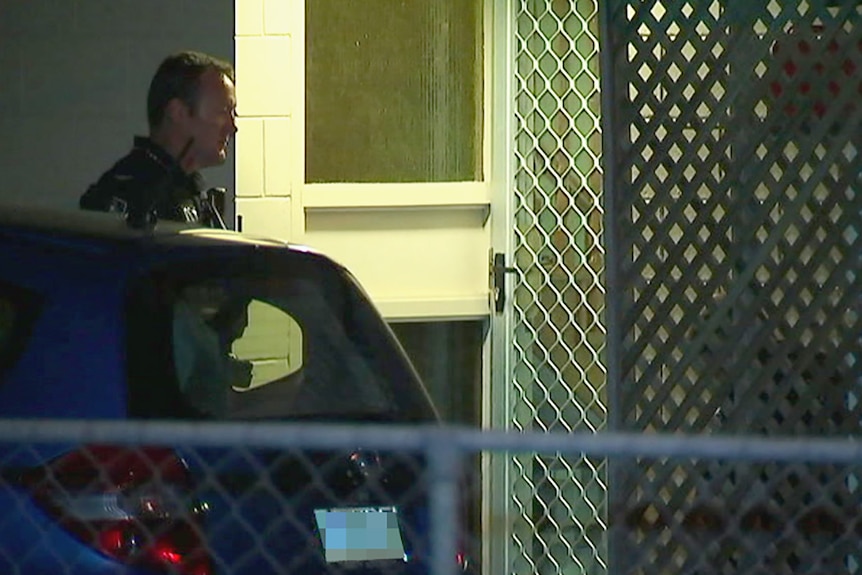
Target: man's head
<point x="192" y="98"/>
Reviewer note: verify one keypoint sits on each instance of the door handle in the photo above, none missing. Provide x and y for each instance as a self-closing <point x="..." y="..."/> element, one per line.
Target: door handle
<point x="499" y="269"/>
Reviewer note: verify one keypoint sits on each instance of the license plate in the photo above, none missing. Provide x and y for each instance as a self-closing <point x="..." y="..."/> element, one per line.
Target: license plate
<point x="359" y="534"/>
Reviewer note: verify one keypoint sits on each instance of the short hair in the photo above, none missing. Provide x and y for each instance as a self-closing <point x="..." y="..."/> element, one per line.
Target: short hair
<point x="178" y="77"/>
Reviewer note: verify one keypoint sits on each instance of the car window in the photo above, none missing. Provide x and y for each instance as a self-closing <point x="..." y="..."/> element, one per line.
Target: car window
<point x="18" y="310"/>
<point x="283" y="339"/>
<point x="271" y="342"/>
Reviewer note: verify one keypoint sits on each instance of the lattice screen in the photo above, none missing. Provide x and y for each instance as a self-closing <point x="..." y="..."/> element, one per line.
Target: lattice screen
<point x="738" y="208"/>
<point x="559" y="381"/>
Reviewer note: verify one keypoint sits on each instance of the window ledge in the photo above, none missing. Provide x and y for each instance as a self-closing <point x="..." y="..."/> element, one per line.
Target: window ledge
<point x="407" y="195"/>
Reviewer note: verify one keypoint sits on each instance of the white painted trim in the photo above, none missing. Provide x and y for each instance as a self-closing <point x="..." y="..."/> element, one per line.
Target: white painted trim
<point x="318" y="196"/>
<point x="497" y="382"/>
<point x="297" y="158"/>
<point x="434" y="309"/>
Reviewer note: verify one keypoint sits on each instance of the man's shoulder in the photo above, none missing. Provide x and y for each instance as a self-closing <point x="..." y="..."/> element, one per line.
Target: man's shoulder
<point x="127" y="181"/>
<point x="146" y="179"/>
<point x="137" y="165"/>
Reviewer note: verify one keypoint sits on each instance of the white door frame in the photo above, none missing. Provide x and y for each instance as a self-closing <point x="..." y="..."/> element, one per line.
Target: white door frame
<point x="497" y="383"/>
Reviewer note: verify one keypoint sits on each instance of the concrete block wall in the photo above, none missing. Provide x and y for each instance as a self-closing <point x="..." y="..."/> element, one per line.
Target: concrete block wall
<point x="269" y="102"/>
<point x="75" y="76"/>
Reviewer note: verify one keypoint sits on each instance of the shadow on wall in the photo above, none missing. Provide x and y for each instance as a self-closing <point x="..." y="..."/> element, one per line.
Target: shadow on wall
<point x="75" y="81"/>
<point x="448" y="357"/>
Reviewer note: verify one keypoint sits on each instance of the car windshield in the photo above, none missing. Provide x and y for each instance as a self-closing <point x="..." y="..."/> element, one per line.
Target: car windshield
<point x="290" y="337"/>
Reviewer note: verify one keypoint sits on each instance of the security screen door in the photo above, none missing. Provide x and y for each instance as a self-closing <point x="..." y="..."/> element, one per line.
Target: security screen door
<point x="555" y="332"/>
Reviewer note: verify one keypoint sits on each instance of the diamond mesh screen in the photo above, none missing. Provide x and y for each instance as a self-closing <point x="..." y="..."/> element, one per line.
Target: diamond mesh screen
<point x="737" y="213"/>
<point x="559" y="374"/>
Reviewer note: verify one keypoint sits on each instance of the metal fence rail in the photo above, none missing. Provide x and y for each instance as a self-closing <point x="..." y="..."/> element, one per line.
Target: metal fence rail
<point x="723" y="532"/>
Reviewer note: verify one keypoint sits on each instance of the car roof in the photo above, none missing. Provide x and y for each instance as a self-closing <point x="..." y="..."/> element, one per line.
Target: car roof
<point x="82" y="228"/>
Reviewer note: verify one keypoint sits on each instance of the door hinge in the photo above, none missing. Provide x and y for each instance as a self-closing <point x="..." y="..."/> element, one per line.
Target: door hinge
<point x="498" y="271"/>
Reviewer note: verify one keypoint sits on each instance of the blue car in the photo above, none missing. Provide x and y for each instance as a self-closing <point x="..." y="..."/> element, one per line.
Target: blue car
<point x="102" y="321"/>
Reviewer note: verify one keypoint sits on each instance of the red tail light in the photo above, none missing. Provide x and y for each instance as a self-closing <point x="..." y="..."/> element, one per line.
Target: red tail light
<point x="132" y="504"/>
<point x="462" y="560"/>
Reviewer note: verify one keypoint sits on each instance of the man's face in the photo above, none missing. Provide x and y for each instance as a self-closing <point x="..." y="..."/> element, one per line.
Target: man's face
<point x="212" y="122"/>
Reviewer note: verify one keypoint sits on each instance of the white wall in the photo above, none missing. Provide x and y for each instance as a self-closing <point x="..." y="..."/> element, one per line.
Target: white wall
<point x="269" y="91"/>
<point x="73" y="83"/>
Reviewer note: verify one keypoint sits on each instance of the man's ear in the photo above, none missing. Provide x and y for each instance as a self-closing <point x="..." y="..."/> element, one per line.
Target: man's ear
<point x="177" y="111"/>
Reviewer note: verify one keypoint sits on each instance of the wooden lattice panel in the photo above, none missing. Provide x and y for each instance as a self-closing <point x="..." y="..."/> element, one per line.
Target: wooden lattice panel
<point x="738" y="209"/>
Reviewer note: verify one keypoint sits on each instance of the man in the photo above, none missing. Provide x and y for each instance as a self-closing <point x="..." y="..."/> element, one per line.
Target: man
<point x="191" y="110"/>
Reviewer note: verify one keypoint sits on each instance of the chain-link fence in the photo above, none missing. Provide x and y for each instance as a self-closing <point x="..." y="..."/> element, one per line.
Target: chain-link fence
<point x="119" y="497"/>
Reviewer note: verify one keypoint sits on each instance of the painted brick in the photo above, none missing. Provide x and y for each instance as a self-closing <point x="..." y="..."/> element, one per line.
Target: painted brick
<point x="278" y="158"/>
<point x="278" y="16"/>
<point x="264" y="75"/>
<point x="249" y="17"/>
<point x="267" y="216"/>
<point x="249" y="148"/>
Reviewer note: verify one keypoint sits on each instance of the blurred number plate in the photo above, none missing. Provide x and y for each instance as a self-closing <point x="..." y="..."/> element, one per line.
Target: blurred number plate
<point x="359" y="534"/>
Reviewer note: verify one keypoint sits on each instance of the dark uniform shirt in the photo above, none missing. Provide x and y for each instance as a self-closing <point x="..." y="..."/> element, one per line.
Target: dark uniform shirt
<point x="148" y="183"/>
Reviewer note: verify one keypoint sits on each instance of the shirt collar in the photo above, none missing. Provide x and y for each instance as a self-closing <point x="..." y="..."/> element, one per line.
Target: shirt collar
<point x="156" y="152"/>
<point x="167" y="161"/>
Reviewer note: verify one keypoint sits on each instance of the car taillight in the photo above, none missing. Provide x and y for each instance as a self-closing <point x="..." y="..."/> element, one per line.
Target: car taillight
<point x="131" y="504"/>
<point x="462" y="560"/>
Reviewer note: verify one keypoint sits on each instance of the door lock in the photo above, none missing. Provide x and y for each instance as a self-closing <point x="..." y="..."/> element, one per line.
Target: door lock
<point x="499" y="269"/>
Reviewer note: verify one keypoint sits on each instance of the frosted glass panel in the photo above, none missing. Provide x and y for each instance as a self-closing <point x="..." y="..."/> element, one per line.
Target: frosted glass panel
<point x="393" y="91"/>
